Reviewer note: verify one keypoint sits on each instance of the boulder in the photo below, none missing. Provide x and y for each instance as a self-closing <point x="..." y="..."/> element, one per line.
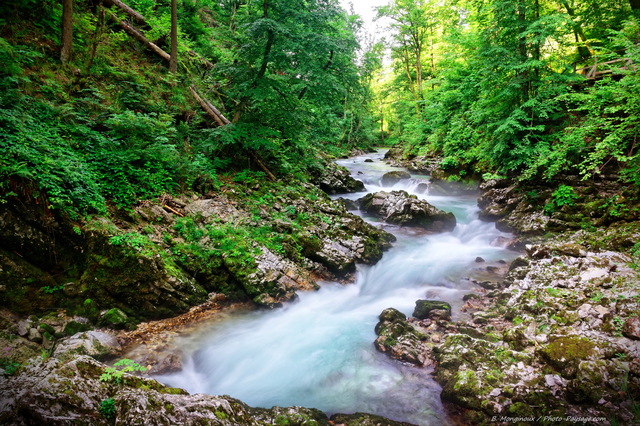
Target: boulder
<point x="399" y="339"/>
<point x="398" y="207"/>
<point x="336" y="179"/>
<point x="58" y="392"/>
<point x="631" y="328"/>
<point x="391" y="178"/>
<point x="432" y="309"/>
<point x="96" y="344"/>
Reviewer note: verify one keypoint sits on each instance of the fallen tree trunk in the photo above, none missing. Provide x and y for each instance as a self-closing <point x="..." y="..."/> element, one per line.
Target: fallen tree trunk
<point x="133" y="32"/>
<point x="129" y="11"/>
<point x="207" y="63"/>
<point x="217" y="112"/>
<point x="207" y="107"/>
<point x="263" y="167"/>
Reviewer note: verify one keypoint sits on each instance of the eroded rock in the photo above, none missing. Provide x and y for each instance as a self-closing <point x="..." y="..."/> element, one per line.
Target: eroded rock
<point x="391" y="178"/>
<point x="398" y="207"/>
<point x="336" y="179"/>
<point x="432" y="309"/>
<point x="399" y="339"/>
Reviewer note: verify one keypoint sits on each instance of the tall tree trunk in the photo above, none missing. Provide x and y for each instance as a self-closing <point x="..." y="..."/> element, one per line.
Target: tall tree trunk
<point x="67" y="31"/>
<point x="583" y="50"/>
<point x="173" y="61"/>
<point x="95" y="42"/>
<point x="521" y="13"/>
<point x="635" y="5"/>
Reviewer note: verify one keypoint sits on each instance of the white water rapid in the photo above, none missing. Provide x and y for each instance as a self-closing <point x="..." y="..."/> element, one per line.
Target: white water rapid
<point x="318" y="351"/>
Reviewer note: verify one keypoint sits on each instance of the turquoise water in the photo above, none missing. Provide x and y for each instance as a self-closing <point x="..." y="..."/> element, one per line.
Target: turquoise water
<point x="318" y="351"/>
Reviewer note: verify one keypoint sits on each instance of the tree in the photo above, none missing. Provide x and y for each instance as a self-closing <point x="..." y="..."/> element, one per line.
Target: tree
<point x="67" y="31"/>
<point x="173" y="61"/>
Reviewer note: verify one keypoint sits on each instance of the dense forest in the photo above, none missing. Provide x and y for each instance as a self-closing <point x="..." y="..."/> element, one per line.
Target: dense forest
<point x="113" y="124"/>
<point x="496" y="87"/>
<point x="527" y="88"/>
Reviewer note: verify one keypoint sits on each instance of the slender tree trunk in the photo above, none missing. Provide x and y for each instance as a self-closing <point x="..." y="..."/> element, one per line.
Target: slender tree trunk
<point x="521" y="12"/>
<point x="173" y="61"/>
<point x="583" y="50"/>
<point x="67" y="31"/>
<point x="635" y="5"/>
<point x="95" y="42"/>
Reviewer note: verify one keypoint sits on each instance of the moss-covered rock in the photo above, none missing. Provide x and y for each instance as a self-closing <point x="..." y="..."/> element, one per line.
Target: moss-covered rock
<point x="400" y="208"/>
<point x="399" y="339"/>
<point x="62" y="392"/>
<point x="565" y="353"/>
<point x="434" y="309"/>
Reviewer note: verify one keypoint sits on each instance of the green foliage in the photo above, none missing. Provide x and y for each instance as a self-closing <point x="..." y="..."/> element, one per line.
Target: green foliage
<point x="7" y="363"/>
<point x="501" y="101"/>
<point x="563" y="196"/>
<point x="51" y="289"/>
<point x="108" y="408"/>
<point x="114" y="374"/>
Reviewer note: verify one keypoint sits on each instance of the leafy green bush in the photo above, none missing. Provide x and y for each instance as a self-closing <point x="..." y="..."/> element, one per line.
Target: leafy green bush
<point x="108" y="408"/>
<point x="563" y="196"/>
<point x="114" y="375"/>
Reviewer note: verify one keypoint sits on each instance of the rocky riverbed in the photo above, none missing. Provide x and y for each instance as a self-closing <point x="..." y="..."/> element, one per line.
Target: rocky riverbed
<point x="556" y="339"/>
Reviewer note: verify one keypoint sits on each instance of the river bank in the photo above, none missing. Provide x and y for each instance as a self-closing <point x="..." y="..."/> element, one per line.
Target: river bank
<point x="499" y="356"/>
<point x="555" y="341"/>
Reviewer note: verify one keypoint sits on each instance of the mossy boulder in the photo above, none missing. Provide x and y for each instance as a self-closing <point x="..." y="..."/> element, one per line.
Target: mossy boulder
<point x="334" y="179"/>
<point x="62" y="392"/>
<point x="399" y="339"/>
<point x="393" y="177"/>
<point x="400" y="208"/>
<point x="114" y="318"/>
<point x="433" y="309"/>
<point x="565" y="353"/>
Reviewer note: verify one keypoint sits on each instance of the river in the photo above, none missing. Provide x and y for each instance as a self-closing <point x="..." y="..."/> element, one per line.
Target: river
<point x="318" y="351"/>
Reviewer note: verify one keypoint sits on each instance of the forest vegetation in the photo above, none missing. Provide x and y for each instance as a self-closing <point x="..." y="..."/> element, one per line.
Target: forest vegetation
<point x="503" y="88"/>
<point x="91" y="116"/>
<point x="99" y="118"/>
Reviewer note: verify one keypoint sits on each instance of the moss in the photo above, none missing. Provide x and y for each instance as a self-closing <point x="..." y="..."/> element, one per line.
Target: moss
<point x="114" y="317"/>
<point x="565" y="353"/>
<point x="520" y="409"/>
<point x="221" y="414"/>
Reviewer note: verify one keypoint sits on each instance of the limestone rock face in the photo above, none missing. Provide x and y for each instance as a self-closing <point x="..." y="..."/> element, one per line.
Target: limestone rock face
<point x="97" y="344"/>
<point x="56" y="392"/>
<point x="337" y="180"/>
<point x="398" y="207"/>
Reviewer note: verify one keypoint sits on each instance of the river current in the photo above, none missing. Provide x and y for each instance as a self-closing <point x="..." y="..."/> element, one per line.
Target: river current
<point x="318" y="350"/>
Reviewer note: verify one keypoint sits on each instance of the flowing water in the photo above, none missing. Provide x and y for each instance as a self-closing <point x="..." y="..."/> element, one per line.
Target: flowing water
<point x="318" y="351"/>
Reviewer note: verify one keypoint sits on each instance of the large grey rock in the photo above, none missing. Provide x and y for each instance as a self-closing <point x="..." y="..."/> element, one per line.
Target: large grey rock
<point x="95" y="343"/>
<point x="55" y="392"/>
<point x="336" y="179"/>
<point x="399" y="339"/>
<point x="391" y="178"/>
<point x="398" y="207"/>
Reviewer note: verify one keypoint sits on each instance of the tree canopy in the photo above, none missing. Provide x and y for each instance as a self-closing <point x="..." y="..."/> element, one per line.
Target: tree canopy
<point x="508" y="88"/>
